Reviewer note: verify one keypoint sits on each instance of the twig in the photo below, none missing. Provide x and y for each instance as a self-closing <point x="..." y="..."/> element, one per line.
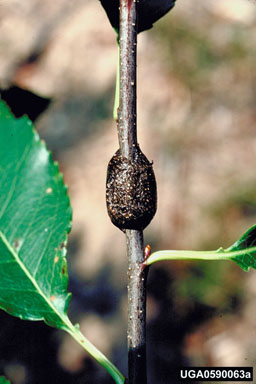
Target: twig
<point x="137" y="369"/>
<point x="127" y="134"/>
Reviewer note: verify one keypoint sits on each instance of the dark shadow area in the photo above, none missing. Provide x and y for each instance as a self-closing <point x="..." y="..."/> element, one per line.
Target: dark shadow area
<point x="166" y="333"/>
<point x="100" y="297"/>
<point x="24" y="102"/>
<point x="30" y="348"/>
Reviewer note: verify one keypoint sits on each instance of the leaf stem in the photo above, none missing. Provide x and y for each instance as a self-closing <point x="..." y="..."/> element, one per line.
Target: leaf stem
<point x="219" y="254"/>
<point x="117" y="89"/>
<point x="75" y="332"/>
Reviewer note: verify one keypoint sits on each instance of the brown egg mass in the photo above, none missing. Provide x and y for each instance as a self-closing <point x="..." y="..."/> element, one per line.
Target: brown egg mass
<point x="131" y="191"/>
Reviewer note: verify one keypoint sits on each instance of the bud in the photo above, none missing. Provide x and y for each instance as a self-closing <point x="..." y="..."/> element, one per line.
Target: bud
<point x="131" y="191"/>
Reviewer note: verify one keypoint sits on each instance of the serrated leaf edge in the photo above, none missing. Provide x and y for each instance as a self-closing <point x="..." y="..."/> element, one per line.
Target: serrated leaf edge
<point x="33" y="281"/>
<point x="8" y="113"/>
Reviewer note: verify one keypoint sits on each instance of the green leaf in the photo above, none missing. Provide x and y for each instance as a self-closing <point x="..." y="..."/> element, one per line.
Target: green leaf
<point x="35" y="217"/>
<point x="244" y="250"/>
<point x="3" y="380"/>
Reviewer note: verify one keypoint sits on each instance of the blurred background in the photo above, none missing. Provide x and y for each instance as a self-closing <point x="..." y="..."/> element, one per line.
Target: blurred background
<point x="196" y="121"/>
